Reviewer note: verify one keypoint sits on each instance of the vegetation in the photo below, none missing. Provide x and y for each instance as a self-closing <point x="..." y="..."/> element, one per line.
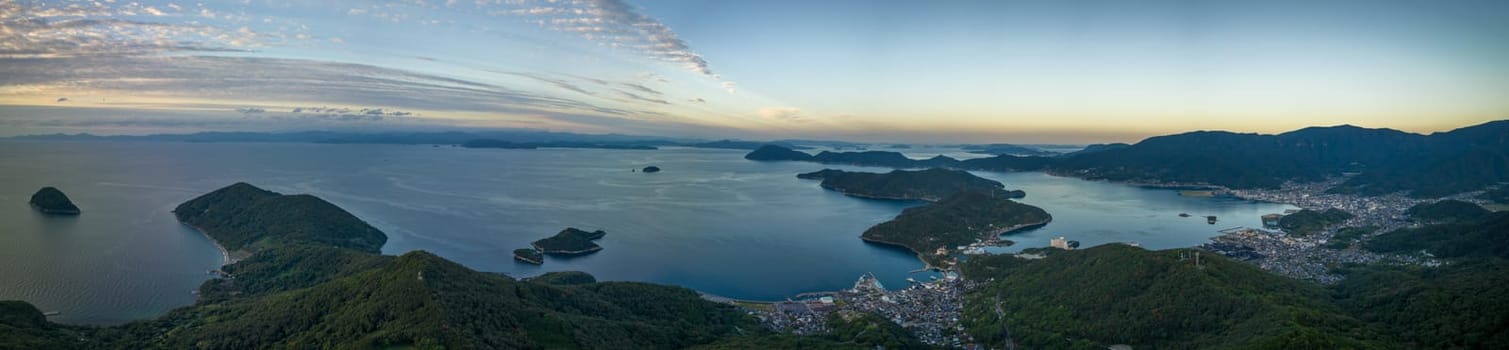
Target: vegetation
<point x="244" y="217"/>
<point x="1446" y="211"/>
<point x="870" y="330"/>
<point x="1346" y="236"/>
<point x="570" y="241"/>
<point x="774" y="152"/>
<point x="1387" y="161"/>
<point x="957" y="220"/>
<point x="1118" y="294"/>
<point x="930" y="185"/>
<point x="529" y="255"/>
<point x="564" y="278"/>
<point x="1485" y="236"/>
<point x="303" y="289"/>
<point x="50" y="200"/>
<point x="1307" y="222"/>
<point x="1462" y="305"/>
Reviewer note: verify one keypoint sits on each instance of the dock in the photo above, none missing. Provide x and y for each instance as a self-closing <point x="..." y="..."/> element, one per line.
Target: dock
<point x="52" y="313"/>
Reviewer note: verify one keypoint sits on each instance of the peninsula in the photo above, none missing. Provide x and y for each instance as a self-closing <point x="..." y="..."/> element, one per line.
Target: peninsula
<point x="930" y="185"/>
<point x="571" y="241"/>
<point x="961" y="219"/>
<point x="50" y="200"/>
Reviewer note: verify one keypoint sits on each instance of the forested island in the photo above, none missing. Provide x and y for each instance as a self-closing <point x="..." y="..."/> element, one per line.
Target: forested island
<point x="963" y="218"/>
<point x="929" y="185"/>
<point x="570" y="241"/>
<point x="315" y="280"/>
<point x="50" y="200"/>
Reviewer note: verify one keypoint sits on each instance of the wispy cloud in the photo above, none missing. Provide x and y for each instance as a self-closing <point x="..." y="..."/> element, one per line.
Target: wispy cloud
<point x="617" y="24"/>
<point x="40" y="31"/>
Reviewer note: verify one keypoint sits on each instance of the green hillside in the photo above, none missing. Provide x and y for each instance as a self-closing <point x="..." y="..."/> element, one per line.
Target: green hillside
<point x="1307" y="222"/>
<point x="1118" y="294"/>
<point x="957" y="220"/>
<point x="241" y="216"/>
<point x="1446" y="211"/>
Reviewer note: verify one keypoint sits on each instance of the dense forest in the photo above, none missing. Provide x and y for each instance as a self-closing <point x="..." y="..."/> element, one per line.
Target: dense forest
<point x="958" y="220"/>
<point x="50" y="200"/>
<point x="570" y="241"/>
<point x="929" y="185"/>
<point x="244" y="217"/>
<point x="1446" y="211"/>
<point x="1307" y="222"/>
<point x="1117" y="294"/>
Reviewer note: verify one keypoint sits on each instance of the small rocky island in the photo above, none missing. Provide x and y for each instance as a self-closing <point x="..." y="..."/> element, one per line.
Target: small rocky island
<point x="929" y="185"/>
<point x="570" y="241"/>
<point x="651" y="169"/>
<point x="529" y="255"/>
<point x="49" y="200"/>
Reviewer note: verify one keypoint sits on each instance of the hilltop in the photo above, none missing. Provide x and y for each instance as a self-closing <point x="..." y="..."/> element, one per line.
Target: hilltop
<point x="244" y="217"/>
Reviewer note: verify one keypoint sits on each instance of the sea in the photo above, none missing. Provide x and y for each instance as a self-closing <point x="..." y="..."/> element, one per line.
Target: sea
<point x="710" y="220"/>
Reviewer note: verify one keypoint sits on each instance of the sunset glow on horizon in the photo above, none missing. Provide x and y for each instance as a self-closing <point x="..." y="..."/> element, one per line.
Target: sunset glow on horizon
<point x="882" y="71"/>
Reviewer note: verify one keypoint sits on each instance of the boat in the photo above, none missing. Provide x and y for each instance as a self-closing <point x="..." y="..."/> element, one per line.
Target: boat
<point x="1183" y="215"/>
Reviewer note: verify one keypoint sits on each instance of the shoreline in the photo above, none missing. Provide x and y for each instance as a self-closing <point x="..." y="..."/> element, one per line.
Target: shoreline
<point x="225" y="255"/>
<point x="929" y="266"/>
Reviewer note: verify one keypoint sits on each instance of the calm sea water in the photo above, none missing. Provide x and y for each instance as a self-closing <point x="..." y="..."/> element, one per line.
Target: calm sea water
<point x="711" y="220"/>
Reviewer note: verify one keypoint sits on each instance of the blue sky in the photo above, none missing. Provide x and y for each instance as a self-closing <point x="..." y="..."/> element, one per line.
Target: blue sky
<point x="946" y="71"/>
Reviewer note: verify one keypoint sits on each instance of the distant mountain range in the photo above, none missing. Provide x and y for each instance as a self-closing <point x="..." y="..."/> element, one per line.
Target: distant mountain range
<point x="1377" y="161"/>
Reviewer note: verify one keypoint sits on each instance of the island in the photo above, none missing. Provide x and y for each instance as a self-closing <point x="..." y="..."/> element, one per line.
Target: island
<point x="571" y="241"/>
<point x="776" y="153"/>
<point x="494" y="143"/>
<point x="529" y="255"/>
<point x="964" y="218"/>
<point x="244" y="220"/>
<point x="49" y="200"/>
<point x="651" y="169"/>
<point x="930" y="185"/>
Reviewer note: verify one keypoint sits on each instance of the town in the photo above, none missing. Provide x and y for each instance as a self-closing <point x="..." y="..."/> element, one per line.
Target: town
<point x="931" y="310"/>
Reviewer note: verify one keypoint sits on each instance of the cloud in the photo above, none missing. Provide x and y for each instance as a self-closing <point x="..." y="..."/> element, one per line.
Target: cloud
<point x="782" y="113"/>
<point x="696" y="100"/>
<point x="616" y="24"/>
<point x="273" y="79"/>
<point x="729" y="86"/>
<point x="641" y="88"/>
<point x="40" y="31"/>
<point x="251" y="110"/>
<point x="642" y="98"/>
<point x="62" y="99"/>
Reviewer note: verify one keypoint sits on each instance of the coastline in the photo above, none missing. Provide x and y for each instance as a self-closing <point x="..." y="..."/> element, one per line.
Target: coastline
<point x="225" y="255"/>
<point x="929" y="266"/>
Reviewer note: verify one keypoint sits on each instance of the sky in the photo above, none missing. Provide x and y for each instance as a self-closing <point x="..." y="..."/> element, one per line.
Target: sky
<point x="1053" y="71"/>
